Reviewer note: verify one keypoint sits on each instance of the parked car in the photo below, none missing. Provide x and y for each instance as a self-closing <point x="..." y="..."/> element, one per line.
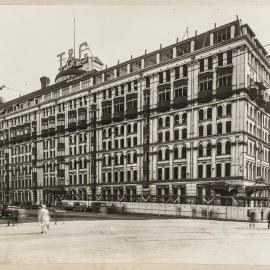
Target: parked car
<point x="81" y="207"/>
<point x="9" y="211"/>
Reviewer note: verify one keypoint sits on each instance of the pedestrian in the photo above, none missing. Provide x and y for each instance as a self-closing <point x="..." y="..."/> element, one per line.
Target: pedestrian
<point x="262" y="215"/>
<point x="268" y="220"/>
<point x="252" y="220"/>
<point x="44" y="219"/>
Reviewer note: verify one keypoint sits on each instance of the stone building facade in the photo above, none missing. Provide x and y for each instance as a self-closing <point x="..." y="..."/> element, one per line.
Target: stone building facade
<point x="189" y="119"/>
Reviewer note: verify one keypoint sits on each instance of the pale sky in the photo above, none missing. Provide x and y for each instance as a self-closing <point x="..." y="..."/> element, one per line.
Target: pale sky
<point x="32" y="36"/>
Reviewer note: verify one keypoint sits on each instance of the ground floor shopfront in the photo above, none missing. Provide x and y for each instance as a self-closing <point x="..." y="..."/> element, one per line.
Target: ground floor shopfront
<point x="159" y="191"/>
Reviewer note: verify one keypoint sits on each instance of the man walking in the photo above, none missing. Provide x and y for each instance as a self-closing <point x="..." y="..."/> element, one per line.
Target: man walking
<point x="252" y="220"/>
<point x="44" y="219"/>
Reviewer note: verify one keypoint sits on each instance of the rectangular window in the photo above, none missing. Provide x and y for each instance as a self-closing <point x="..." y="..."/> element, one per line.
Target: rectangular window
<point x="229" y="57"/>
<point x="160" y="76"/>
<point x="208" y="170"/>
<point x="224" y="80"/>
<point x="167" y="173"/>
<point x="115" y="176"/>
<point x="135" y="176"/>
<point x="175" y="173"/>
<point x="200" y="171"/>
<point x="185" y="70"/>
<point x="218" y="170"/>
<point x="164" y="94"/>
<point x="168" y="75"/>
<point x="180" y="90"/>
<point x="201" y="65"/>
<point x="206" y="84"/>
<point x="219" y="128"/>
<point x="210" y="63"/>
<point x="183" y="172"/>
<point x="177" y="73"/>
<point x="128" y="176"/>
<point x="227" y="169"/>
<point x="209" y="130"/>
<point x="220" y="59"/>
<point x="147" y="82"/>
<point x="159" y="174"/>
<point x="222" y="35"/>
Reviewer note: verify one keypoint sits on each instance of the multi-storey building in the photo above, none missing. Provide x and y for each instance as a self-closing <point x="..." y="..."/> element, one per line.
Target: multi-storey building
<point x="192" y="118"/>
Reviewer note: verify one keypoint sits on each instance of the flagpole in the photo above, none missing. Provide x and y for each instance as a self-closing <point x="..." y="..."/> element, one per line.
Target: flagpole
<point x="74" y="35"/>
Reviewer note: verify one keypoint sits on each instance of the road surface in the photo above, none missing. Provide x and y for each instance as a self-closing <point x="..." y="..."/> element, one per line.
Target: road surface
<point x="133" y="241"/>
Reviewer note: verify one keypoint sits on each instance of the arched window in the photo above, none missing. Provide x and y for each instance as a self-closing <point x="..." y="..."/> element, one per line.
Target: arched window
<point x="176" y="119"/>
<point x="220" y="113"/>
<point x="159" y="155"/>
<point x="184" y="133"/>
<point x="184" y="152"/>
<point x="200" y="114"/>
<point x="229" y="109"/>
<point x="109" y="131"/>
<point x="116" y="130"/>
<point x="167" y="123"/>
<point x="104" y="161"/>
<point x="167" y="154"/>
<point x="209" y="149"/>
<point x="175" y="153"/>
<point x="104" y="133"/>
<point x="209" y="113"/>
<point x="219" y="148"/>
<point x="160" y="122"/>
<point x="135" y="157"/>
<point x="200" y="150"/>
<point x="228" y="148"/>
<point x="184" y="118"/>
<point x="85" y="163"/>
<point x="135" y="127"/>
<point x="128" y="128"/>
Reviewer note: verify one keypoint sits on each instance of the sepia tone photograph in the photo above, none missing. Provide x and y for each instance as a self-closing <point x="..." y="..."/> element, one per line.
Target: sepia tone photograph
<point x="135" y="134"/>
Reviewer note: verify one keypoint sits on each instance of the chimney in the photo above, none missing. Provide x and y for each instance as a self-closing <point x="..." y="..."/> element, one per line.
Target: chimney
<point x="45" y="82"/>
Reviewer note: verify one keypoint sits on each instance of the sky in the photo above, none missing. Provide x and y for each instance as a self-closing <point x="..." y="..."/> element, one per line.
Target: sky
<point x="31" y="37"/>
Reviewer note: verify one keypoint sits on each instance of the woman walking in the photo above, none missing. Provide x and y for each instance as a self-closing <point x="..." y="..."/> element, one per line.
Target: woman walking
<point x="44" y="219"/>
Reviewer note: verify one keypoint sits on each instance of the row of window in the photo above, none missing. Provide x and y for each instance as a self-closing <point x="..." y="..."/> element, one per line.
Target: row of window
<point x="259" y="116"/>
<point x="120" y="143"/>
<point x="202" y="151"/>
<point x="118" y="176"/>
<point x="119" y="160"/>
<point x="203" y="131"/>
<point x="120" y="130"/>
<point x="204" y="171"/>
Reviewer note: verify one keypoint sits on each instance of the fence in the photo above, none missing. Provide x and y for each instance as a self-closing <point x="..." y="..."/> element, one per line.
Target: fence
<point x="237" y="213"/>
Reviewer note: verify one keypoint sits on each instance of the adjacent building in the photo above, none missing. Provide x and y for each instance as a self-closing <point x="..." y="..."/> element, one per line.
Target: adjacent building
<point x="190" y="119"/>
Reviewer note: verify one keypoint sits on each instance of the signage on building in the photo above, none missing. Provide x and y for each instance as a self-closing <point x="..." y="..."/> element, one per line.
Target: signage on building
<point x="71" y="60"/>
